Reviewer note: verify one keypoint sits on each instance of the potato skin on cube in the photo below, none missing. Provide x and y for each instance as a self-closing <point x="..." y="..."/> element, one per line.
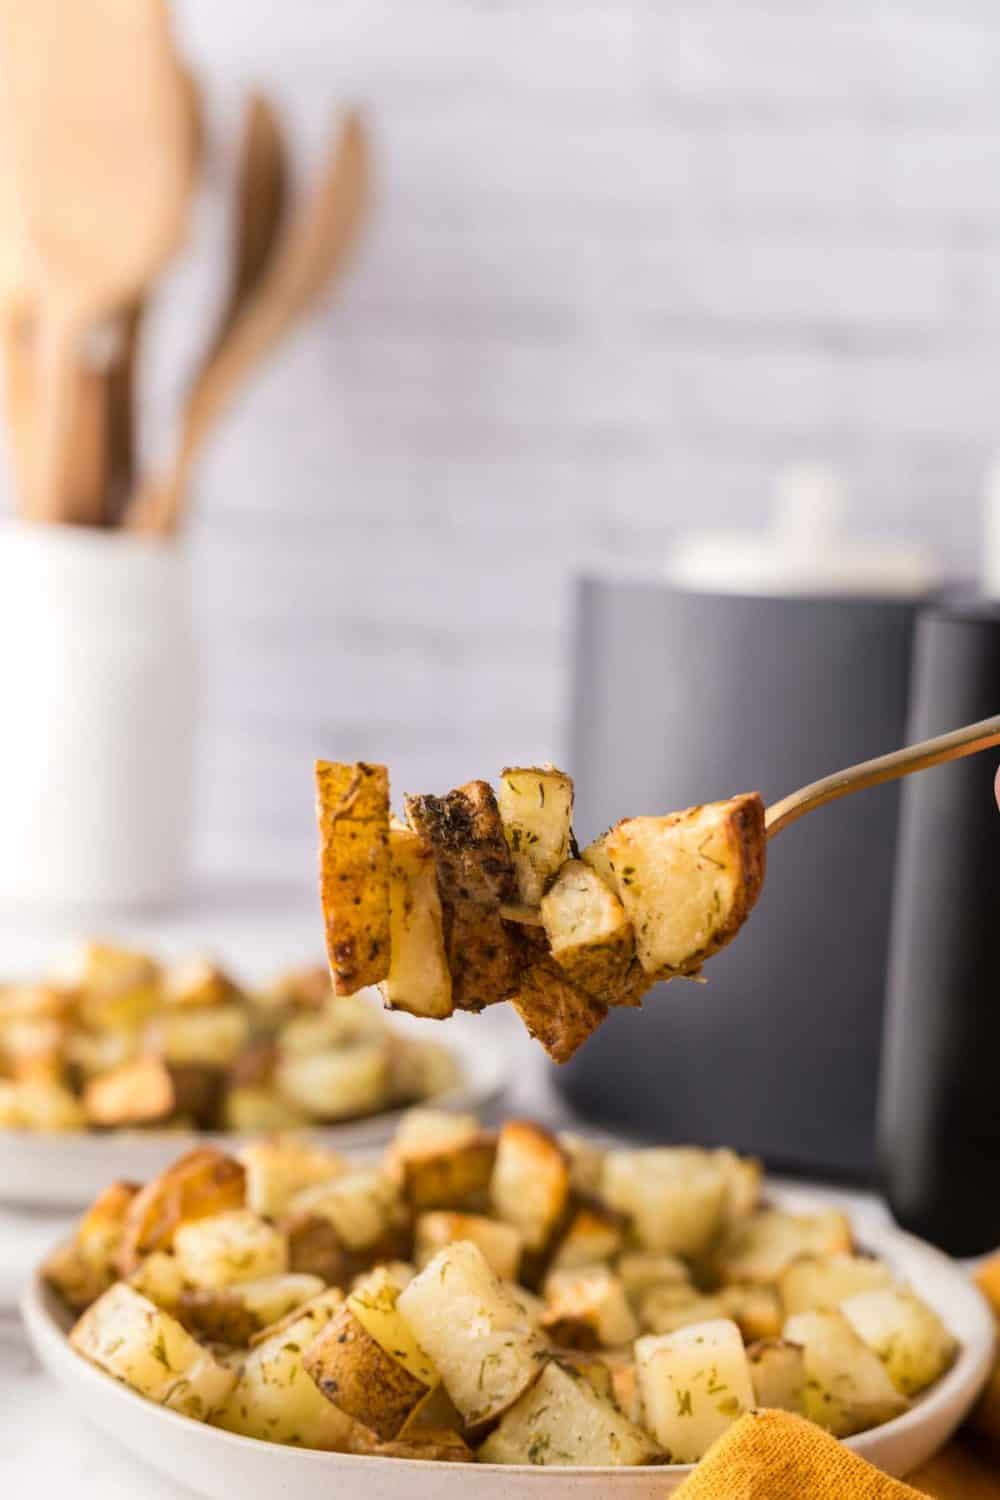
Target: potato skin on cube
<point x="562" y="1422"/>
<point x="419" y="980"/>
<point x="84" y="1266"/>
<point x="475" y="876"/>
<point x="536" y="807"/>
<point x="555" y="1011"/>
<point x="590" y="937"/>
<point x="714" y="855"/>
<point x="478" y="1336"/>
<point x="356" y="1374"/>
<point x="500" y="1243"/>
<point x="202" y="1182"/>
<point x="352" y="802"/>
<point x="131" y="1338"/>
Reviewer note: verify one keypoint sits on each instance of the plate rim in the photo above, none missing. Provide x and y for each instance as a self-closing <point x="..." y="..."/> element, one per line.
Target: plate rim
<point x="962" y="1382"/>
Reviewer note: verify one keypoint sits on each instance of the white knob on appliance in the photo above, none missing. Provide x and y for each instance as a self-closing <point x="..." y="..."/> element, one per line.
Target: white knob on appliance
<point x="805" y="551"/>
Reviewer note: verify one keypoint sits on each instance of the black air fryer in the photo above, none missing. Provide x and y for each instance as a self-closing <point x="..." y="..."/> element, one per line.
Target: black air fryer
<point x="683" y="697"/>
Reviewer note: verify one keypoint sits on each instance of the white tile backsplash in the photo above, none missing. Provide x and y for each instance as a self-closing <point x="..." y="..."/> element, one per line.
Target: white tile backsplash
<point x="628" y="257"/>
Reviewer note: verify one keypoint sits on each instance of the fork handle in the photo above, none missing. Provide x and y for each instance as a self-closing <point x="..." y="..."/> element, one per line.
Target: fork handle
<point x="935" y="752"/>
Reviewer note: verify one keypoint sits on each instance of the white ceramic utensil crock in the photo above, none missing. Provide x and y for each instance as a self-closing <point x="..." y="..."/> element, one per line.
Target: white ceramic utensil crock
<point x="98" y="693"/>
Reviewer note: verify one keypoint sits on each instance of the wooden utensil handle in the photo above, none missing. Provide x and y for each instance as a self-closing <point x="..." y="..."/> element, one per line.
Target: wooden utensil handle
<point x="934" y="752"/>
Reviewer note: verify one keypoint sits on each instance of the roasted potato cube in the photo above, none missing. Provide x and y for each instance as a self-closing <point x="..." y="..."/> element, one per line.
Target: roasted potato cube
<point x="847" y="1387"/>
<point x="421" y="1129"/>
<point x="32" y="1048"/>
<point x="84" y="1267"/>
<point x="555" y="1011"/>
<point x="446" y="1176"/>
<point x="196" y="982"/>
<point x="35" y="1104"/>
<point x="689" y="880"/>
<point x="778" y="1372"/>
<point x="536" y="808"/>
<point x="744" y="1178"/>
<point x="399" y="1272"/>
<point x="160" y="1278"/>
<point x="35" y="1002"/>
<point x="587" y="1309"/>
<point x="419" y="980"/>
<point x="475" y="876"/>
<point x="352" y="803"/>
<point x="531" y="1182"/>
<point x="233" y="1314"/>
<point x="203" y="1182"/>
<point x="230" y="1247"/>
<point x="590" y="937"/>
<point x="276" y="1400"/>
<point x="820" y="1283"/>
<point x="144" y="1092"/>
<point x="625" y="1392"/>
<point x="304" y="989"/>
<point x="316" y="1249"/>
<point x="593" y="1234"/>
<point x="277" y="1170"/>
<point x="586" y="1162"/>
<point x="561" y="1421"/>
<point x="761" y="1247"/>
<point x="346" y="1021"/>
<point x="675" y="1197"/>
<point x="500" y="1243"/>
<point x="755" y="1308"/>
<point x="363" y="1206"/>
<point x="367" y="1362"/>
<point x="143" y="1346"/>
<point x="214" y="1035"/>
<point x="907" y="1335"/>
<point x="694" y="1384"/>
<point x="114" y="986"/>
<point x="642" y="1270"/>
<point x="337" y="1085"/>
<point x="474" y="1331"/>
<point x="530" y="1303"/>
<point x="251" y="1108"/>
<point x="664" y="1309"/>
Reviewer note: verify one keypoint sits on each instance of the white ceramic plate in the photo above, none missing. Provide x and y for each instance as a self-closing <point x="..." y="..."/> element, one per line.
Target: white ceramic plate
<point x="67" y="1170"/>
<point x="219" y="1464"/>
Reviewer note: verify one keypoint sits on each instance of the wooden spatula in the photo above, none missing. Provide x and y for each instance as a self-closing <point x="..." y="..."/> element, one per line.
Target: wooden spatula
<point x="310" y="254"/>
<point x="99" y="129"/>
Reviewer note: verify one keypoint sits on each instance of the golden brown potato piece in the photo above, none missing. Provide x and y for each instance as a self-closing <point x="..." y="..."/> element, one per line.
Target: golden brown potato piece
<point x="531" y="1182"/>
<point x="419" y="980"/>
<point x="149" y="1091"/>
<point x="196" y="982"/>
<point x="590" y="937"/>
<point x="555" y="1011"/>
<point x="314" y="1246"/>
<point x="688" y="881"/>
<point x="137" y="1093"/>
<point x="203" y="1182"/>
<point x="352" y="803"/>
<point x="361" y="1378"/>
<point x="536" y="806"/>
<point x="449" y="1176"/>
<point x="475" y="876"/>
<point x="84" y="1267"/>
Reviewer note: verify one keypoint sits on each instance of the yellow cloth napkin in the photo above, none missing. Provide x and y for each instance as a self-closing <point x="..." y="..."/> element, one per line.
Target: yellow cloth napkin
<point x="772" y="1455"/>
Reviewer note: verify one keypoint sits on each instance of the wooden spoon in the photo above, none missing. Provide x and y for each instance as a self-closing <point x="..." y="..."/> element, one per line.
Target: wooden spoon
<point x="920" y="757"/>
<point x="261" y="200"/>
<point x="99" y="127"/>
<point x="312" y="251"/>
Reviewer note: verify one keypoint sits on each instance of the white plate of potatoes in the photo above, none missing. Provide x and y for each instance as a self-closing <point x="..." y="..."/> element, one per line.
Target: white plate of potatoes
<point x="478" y="1308"/>
<point x="66" y="1168"/>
